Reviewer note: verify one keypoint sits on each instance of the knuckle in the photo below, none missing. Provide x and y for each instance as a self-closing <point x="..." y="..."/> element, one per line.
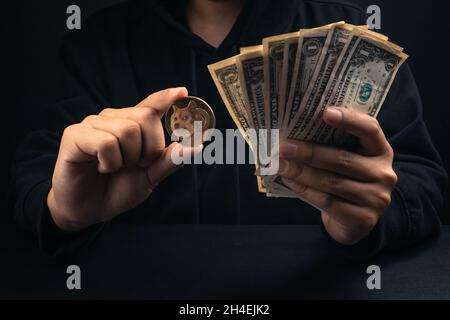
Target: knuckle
<point x="344" y="159"/>
<point x="107" y="112"/>
<point x="384" y="199"/>
<point x="108" y="145"/>
<point x="350" y="116"/>
<point x="308" y="152"/>
<point x="393" y="179"/>
<point x="301" y="189"/>
<point x="327" y="201"/>
<point x="390" y="151"/>
<point x="129" y="130"/>
<point x="89" y="118"/>
<point x="332" y="182"/>
<point x="298" y="188"/>
<point x="295" y="172"/>
<point x="144" y="114"/>
<point x="389" y="177"/>
<point x="290" y="173"/>
<point x="71" y="131"/>
<point x="373" y="127"/>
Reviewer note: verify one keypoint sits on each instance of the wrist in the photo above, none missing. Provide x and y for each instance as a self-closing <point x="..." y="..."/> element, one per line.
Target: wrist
<point x="64" y="224"/>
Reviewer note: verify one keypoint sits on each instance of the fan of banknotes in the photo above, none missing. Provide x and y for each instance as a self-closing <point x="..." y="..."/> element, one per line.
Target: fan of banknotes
<point x="287" y="82"/>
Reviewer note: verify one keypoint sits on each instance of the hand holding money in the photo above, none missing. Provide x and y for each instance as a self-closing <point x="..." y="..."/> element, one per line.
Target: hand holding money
<point x="352" y="188"/>
<point x="287" y="83"/>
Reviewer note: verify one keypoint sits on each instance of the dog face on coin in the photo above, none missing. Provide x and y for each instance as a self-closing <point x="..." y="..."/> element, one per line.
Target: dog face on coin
<point x="184" y="118"/>
<point x="184" y="113"/>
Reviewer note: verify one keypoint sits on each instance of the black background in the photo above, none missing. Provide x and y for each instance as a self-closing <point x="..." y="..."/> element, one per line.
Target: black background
<point x="31" y="31"/>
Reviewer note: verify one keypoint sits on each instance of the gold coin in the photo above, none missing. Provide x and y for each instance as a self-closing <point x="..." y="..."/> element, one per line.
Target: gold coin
<point x="185" y="116"/>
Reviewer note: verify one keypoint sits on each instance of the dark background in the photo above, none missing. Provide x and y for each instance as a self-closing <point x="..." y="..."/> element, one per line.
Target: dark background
<point x="30" y="33"/>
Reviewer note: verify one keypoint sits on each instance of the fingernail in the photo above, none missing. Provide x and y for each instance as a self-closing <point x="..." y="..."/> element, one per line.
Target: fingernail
<point x="288" y="149"/>
<point x="283" y="166"/>
<point x="333" y="115"/>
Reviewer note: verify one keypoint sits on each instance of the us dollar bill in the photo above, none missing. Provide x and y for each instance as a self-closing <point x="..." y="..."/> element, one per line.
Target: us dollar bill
<point x="251" y="72"/>
<point x="244" y="50"/>
<point x="289" y="55"/>
<point x="251" y="68"/>
<point x="273" y="49"/>
<point x="226" y="78"/>
<point x="260" y="184"/>
<point x="314" y="123"/>
<point x="277" y="189"/>
<point x="310" y="45"/>
<point x="336" y="41"/>
<point x="362" y="80"/>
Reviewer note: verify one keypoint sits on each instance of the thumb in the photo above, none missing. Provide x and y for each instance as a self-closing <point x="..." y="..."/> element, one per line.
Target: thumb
<point x="161" y="101"/>
<point x="165" y="165"/>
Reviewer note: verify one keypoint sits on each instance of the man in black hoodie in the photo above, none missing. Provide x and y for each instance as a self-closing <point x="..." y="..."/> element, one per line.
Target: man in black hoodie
<point x="113" y="162"/>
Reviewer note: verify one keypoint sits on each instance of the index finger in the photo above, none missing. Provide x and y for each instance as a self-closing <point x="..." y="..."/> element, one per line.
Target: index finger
<point x="366" y="128"/>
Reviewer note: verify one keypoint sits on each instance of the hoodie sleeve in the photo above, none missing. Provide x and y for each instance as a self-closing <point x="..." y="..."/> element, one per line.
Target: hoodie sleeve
<point x="95" y="73"/>
<point x="82" y="91"/>
<point x="417" y="199"/>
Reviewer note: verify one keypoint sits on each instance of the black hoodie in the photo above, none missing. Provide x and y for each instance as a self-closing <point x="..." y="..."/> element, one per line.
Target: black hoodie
<point x="128" y="51"/>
